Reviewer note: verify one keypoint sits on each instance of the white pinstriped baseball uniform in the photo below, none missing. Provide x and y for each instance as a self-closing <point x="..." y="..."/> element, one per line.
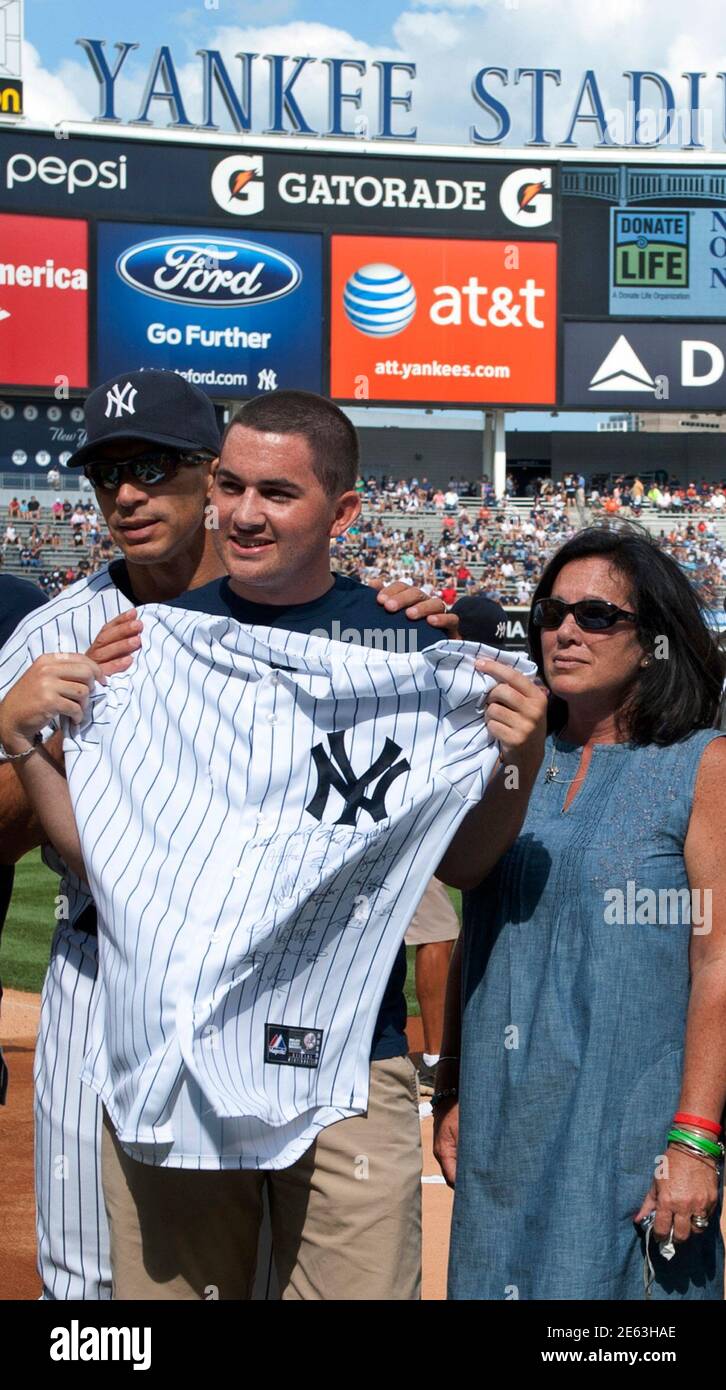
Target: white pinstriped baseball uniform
<point x="73" y="1243"/>
<point x="259" y="812"/>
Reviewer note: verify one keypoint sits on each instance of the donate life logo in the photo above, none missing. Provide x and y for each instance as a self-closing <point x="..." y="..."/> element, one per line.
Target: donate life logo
<point x="218" y="273"/>
<point x="379" y="300"/>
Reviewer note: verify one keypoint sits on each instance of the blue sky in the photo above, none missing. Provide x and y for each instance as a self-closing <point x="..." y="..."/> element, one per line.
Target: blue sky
<point x="52" y="25"/>
<point x="448" y="40"/>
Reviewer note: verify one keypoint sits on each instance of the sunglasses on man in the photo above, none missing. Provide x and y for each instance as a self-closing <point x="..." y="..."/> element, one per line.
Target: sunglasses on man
<point x="590" y="614"/>
<point x="149" y="469"/>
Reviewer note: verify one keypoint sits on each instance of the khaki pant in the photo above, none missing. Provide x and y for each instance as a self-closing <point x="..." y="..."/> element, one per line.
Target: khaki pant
<point x="346" y="1218"/>
<point x="435" y="918"/>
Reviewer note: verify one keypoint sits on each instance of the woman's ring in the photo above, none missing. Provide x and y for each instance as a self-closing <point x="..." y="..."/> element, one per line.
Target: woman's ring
<point x="700" y="1222"/>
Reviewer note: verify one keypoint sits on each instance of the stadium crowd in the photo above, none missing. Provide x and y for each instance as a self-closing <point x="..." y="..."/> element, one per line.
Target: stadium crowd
<point x="482" y="545"/>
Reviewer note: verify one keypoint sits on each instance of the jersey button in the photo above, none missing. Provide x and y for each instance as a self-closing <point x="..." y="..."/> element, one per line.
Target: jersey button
<point x="272" y="718"/>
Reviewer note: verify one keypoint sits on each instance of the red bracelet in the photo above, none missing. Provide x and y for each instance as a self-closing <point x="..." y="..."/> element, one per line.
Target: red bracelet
<point x="680" y="1118"/>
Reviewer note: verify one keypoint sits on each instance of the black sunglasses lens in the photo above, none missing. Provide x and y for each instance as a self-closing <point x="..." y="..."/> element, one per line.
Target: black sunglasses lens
<point x="151" y="470"/>
<point x="105" y="475"/>
<point x="549" y="613"/>
<point x="594" y="615"/>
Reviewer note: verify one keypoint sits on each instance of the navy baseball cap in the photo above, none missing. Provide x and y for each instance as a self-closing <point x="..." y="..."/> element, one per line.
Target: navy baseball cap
<point x="158" y="407"/>
<point x="481" y="620"/>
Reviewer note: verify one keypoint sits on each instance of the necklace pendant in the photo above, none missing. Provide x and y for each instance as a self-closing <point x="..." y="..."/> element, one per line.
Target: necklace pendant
<point x="551" y="773"/>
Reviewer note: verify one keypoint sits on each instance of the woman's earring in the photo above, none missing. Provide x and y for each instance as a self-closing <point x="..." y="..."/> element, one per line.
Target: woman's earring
<point x="646" y="661"/>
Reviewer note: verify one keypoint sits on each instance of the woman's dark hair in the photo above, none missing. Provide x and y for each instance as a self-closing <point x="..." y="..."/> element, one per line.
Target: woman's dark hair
<point x="677" y="693"/>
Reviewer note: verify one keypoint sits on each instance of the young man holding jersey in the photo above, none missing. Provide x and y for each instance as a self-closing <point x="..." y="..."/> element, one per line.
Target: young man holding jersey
<point x="149" y="459"/>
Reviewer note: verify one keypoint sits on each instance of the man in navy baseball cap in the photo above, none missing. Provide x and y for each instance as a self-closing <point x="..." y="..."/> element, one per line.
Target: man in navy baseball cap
<point x="481" y="620"/>
<point x="157" y="407"/>
<point x="151" y="441"/>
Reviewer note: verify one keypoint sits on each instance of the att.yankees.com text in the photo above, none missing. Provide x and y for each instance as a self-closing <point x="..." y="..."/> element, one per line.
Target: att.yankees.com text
<point x="391" y="367"/>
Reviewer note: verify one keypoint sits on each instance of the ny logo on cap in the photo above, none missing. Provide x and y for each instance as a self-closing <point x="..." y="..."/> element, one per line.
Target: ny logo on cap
<point x="122" y="398"/>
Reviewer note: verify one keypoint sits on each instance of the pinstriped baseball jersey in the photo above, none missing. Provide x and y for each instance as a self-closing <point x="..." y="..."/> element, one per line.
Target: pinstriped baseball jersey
<point x="68" y="623"/>
<point x="259" y="812"/>
<point x="73" y="1243"/>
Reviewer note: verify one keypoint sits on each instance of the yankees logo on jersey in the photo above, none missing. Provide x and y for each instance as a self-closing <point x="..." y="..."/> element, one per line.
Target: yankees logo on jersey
<point x="73" y="1253"/>
<point x="256" y="840"/>
<point x="352" y="788"/>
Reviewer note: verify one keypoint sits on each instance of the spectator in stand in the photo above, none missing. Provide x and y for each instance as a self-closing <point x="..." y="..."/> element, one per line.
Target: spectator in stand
<point x="13" y="508"/>
<point x="57" y="509"/>
<point x="448" y="591"/>
<point x="23" y="509"/>
<point x="33" y="508"/>
<point x="11" y="535"/>
<point x="67" y="509"/>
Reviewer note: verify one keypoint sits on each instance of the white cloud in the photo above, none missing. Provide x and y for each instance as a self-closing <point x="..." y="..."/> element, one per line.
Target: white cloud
<point x="51" y="97"/>
<point x="448" y="40"/>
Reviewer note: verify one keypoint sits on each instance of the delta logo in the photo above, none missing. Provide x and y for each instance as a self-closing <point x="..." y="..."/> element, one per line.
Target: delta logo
<point x="238" y="185"/>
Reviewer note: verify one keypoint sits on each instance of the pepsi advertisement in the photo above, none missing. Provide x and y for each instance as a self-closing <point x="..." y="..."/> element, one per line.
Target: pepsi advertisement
<point x="236" y="315"/>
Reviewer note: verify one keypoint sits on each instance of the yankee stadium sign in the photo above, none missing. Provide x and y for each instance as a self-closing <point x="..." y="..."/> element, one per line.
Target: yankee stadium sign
<point x="648" y="109"/>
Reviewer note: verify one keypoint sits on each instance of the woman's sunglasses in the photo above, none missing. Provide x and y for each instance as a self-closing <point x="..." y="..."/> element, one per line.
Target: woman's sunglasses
<point x="591" y="614"/>
<point x="149" y="468"/>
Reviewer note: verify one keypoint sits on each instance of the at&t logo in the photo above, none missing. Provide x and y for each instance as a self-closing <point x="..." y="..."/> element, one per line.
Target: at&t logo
<point x="379" y="300"/>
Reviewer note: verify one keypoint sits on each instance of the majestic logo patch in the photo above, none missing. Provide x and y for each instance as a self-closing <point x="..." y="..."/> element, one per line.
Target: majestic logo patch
<point x="292" y="1047"/>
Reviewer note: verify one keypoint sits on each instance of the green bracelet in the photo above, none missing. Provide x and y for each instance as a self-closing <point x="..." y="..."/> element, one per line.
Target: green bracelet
<point x="706" y="1146"/>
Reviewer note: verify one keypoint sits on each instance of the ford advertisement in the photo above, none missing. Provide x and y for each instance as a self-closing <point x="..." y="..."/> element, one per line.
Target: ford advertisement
<point x="237" y="315"/>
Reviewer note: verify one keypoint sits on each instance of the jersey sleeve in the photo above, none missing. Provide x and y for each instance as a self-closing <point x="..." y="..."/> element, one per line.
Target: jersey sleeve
<point x="29" y="641"/>
<point x="104" y="706"/>
<point x="467" y="751"/>
<point x="48" y="629"/>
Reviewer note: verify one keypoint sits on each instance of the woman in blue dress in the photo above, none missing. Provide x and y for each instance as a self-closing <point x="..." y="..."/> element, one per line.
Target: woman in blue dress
<point x="591" y="1020"/>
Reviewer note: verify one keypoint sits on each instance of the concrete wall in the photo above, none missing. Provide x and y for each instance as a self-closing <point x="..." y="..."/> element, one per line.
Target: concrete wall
<point x="459" y="452"/>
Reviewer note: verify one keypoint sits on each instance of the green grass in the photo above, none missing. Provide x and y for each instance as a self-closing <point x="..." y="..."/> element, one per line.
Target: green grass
<point x="29" y="928"/>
